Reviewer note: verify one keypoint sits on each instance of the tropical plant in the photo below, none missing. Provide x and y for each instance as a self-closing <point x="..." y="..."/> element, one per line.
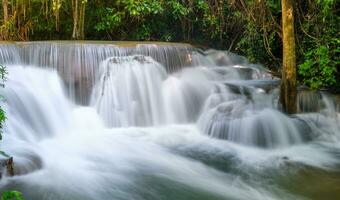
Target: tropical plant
<point x="11" y="195"/>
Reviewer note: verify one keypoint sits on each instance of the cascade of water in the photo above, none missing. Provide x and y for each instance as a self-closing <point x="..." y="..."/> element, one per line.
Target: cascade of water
<point x="136" y="91"/>
<point x="78" y="63"/>
<point x="186" y="91"/>
<point x="9" y="54"/>
<point x="154" y="126"/>
<point x="129" y="92"/>
<point x="87" y="56"/>
<point x="309" y="101"/>
<point x="156" y="89"/>
<point x="322" y="116"/>
<point x="247" y="116"/>
<point x="35" y="103"/>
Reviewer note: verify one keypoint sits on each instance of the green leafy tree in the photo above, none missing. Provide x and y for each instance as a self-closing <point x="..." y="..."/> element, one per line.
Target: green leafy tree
<point x="320" y="45"/>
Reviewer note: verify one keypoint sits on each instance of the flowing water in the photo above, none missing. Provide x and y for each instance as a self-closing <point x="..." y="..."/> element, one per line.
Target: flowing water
<point x="95" y="121"/>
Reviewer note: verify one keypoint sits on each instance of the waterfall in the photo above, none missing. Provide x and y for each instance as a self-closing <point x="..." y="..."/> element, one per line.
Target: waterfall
<point x="38" y="112"/>
<point x="129" y="91"/>
<point x="78" y="63"/>
<point x="9" y="54"/>
<point x="112" y="120"/>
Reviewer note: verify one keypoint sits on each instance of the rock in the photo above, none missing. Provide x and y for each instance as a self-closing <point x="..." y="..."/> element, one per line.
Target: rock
<point x="9" y="166"/>
<point x="6" y="166"/>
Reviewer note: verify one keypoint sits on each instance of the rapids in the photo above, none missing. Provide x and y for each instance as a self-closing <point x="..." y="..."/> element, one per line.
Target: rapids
<point x="95" y="121"/>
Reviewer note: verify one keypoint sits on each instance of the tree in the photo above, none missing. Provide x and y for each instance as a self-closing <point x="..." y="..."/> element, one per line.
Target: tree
<point x="288" y="86"/>
<point x="78" y="11"/>
<point x="5" y="9"/>
<point x="5" y="16"/>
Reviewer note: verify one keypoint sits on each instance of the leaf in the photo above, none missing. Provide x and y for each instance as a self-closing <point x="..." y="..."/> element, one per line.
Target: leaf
<point x="11" y="195"/>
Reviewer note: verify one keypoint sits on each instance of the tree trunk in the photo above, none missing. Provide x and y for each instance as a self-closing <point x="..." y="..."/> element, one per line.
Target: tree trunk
<point x="78" y="10"/>
<point x="5" y="10"/>
<point x="9" y="166"/>
<point x="288" y="86"/>
<point x="82" y="20"/>
<point x="56" y="4"/>
<point x="75" y="19"/>
<point x="4" y="31"/>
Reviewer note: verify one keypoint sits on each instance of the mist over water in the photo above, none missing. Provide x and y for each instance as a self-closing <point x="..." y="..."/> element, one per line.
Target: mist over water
<point x="99" y="121"/>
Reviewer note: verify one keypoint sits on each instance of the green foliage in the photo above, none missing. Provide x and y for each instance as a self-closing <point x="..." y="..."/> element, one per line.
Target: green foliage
<point x="326" y="7"/>
<point x="11" y="195"/>
<point x="136" y="8"/>
<point x="320" y="49"/>
<point x="317" y="38"/>
<point x="177" y="9"/>
<point x="128" y="18"/>
<point x="3" y="73"/>
<point x="260" y="46"/>
<point x="110" y="19"/>
<point x="2" y="119"/>
<point x="196" y="21"/>
<point x="319" y="69"/>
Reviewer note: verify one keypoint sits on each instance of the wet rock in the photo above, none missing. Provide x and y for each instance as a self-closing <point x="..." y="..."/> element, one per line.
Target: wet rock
<point x="141" y="59"/>
<point x="225" y="58"/>
<point x="303" y="127"/>
<point x="6" y="166"/>
<point x="248" y="86"/>
<point x="28" y="163"/>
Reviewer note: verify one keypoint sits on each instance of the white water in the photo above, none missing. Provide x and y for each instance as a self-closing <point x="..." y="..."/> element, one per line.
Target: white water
<point x="149" y="134"/>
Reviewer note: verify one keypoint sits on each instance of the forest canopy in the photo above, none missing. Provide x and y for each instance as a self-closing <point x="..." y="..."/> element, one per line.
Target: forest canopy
<point x="249" y="27"/>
